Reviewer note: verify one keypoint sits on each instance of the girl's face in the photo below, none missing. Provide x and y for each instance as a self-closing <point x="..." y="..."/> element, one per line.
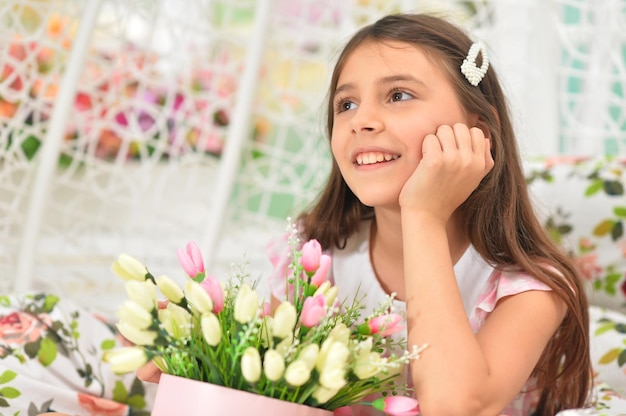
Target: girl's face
<point x="389" y="96"/>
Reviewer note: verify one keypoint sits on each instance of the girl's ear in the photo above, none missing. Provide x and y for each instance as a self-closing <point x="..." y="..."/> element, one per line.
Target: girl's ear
<point x="484" y="126"/>
<point x="481" y="124"/>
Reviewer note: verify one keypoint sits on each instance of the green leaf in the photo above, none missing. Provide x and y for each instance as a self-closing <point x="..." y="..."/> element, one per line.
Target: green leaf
<point x="136" y="401"/>
<point x="7" y="376"/>
<point x="595" y="186"/>
<point x="65" y="160"/>
<point x="120" y="394"/>
<point x="3" y="403"/>
<point x="137" y="388"/>
<point x="30" y="146"/>
<point x="618" y="231"/>
<point x="610" y="356"/>
<point x="5" y="301"/>
<point x="48" y="352"/>
<point x="621" y="360"/>
<point x="32" y="348"/>
<point x="50" y="302"/>
<point x="620" y="211"/>
<point x="613" y="187"/>
<point x="620" y="328"/>
<point x="603" y="228"/>
<point x="605" y="328"/>
<point x="10" y="392"/>
<point x="107" y="344"/>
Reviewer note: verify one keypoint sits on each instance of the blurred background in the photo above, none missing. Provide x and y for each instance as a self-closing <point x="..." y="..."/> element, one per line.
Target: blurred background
<point x="137" y="126"/>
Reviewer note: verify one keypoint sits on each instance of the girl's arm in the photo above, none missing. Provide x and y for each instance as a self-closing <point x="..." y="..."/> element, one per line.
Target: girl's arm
<point x="462" y="372"/>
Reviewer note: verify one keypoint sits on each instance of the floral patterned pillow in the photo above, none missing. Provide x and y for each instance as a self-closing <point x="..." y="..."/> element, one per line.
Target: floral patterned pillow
<point x="583" y="205"/>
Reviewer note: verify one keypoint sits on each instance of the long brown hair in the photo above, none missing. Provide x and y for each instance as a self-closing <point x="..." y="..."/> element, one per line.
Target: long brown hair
<point x="501" y="222"/>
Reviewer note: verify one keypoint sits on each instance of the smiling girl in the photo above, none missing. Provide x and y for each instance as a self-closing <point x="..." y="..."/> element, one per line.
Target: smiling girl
<point x="427" y="199"/>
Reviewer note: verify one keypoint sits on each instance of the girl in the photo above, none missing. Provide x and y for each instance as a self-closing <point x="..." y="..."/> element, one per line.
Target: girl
<point x="427" y="199"/>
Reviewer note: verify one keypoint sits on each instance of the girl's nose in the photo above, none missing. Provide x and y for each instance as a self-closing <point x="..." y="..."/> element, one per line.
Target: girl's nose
<point x="366" y="120"/>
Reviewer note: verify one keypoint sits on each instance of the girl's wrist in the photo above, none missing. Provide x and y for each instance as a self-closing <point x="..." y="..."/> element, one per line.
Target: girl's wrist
<point x="416" y="217"/>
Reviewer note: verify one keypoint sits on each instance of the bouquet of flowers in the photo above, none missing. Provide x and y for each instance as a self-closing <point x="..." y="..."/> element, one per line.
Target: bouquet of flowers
<point x="312" y="349"/>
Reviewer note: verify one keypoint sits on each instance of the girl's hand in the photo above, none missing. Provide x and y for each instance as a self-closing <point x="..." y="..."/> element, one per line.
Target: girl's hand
<point x="149" y="372"/>
<point x="454" y="161"/>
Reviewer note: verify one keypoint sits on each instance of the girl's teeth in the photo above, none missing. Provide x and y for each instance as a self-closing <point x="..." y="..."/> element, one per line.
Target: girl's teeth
<point x="374" y="157"/>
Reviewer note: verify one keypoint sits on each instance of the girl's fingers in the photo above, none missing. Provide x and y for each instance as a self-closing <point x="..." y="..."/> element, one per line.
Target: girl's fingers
<point x="446" y="136"/>
<point x="149" y="373"/>
<point x="431" y="144"/>
<point x="464" y="137"/>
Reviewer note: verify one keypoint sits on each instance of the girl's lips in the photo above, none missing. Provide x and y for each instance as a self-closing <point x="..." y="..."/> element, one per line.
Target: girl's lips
<point x="370" y="158"/>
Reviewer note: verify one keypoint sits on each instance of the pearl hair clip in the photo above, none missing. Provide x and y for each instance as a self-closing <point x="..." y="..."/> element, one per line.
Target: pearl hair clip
<point x="473" y="73"/>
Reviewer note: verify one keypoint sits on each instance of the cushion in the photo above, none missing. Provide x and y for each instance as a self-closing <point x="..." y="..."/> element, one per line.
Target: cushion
<point x="582" y="204"/>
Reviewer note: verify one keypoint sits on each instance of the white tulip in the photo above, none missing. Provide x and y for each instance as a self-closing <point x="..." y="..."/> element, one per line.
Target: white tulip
<point x="333" y="378"/>
<point x="322" y="394"/>
<point x="126" y="360"/>
<point x="211" y="329"/>
<point x="135" y="335"/>
<point x="144" y="293"/>
<point x="251" y="365"/>
<point x="176" y="321"/>
<point x="284" y="320"/>
<point x="246" y="304"/>
<point x="129" y="268"/>
<point x="340" y="333"/>
<point x="273" y="365"/>
<point x="297" y="373"/>
<point x="309" y="355"/>
<point x="134" y="314"/>
<point x="170" y="289"/>
<point x="198" y="297"/>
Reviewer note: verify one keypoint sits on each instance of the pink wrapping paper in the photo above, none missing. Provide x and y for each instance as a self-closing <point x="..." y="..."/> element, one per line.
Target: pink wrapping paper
<point x="182" y="396"/>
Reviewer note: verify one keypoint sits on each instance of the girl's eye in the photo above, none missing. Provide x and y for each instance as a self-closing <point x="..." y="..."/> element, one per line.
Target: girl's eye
<point x="344" y="105"/>
<point x="400" y="96"/>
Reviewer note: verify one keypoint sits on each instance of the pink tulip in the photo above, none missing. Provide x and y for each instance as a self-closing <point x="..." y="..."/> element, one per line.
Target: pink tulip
<point x="267" y="310"/>
<point x="311" y="253"/>
<point x="313" y="310"/>
<point x="191" y="260"/>
<point x="321" y="274"/>
<point x="343" y="411"/>
<point x="397" y="405"/>
<point x="385" y="325"/>
<point x="214" y="289"/>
